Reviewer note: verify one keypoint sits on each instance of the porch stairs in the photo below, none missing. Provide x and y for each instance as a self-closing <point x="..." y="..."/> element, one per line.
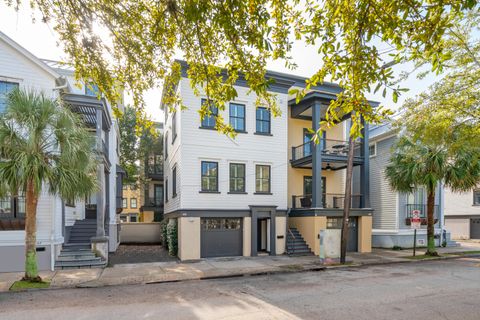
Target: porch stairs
<point x="77" y="252"/>
<point x="296" y="245"/>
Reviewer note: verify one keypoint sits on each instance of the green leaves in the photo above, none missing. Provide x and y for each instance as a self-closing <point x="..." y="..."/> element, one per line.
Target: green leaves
<point x="241" y="36"/>
<point x="41" y="140"/>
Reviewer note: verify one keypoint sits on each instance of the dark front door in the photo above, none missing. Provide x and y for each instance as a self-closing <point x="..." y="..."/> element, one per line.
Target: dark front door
<point x="262" y="235"/>
<point x="475" y="228"/>
<point x="221" y="237"/>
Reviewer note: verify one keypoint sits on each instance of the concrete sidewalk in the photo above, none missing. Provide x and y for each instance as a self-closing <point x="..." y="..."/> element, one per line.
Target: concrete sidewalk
<point x="143" y="273"/>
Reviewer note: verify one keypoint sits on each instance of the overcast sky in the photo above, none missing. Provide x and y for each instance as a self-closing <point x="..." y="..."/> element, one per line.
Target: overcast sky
<point x="40" y="39"/>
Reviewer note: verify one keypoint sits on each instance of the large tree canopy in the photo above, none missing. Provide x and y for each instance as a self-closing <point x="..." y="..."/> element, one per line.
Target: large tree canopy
<point x="134" y="42"/>
<point x="451" y="107"/>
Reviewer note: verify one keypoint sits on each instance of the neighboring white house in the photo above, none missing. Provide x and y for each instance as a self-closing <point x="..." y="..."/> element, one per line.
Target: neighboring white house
<point x="462" y="214"/>
<point x="393" y="210"/>
<point x="56" y="218"/>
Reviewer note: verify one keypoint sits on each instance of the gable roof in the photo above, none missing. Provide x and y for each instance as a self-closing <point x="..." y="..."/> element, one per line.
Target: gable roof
<point x="28" y="55"/>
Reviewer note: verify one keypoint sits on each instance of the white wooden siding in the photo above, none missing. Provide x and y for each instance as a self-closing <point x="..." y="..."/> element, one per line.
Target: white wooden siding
<point x="201" y="144"/>
<point x="383" y="199"/>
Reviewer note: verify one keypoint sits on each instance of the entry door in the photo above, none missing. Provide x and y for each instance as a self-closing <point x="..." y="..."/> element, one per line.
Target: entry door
<point x="158" y="195"/>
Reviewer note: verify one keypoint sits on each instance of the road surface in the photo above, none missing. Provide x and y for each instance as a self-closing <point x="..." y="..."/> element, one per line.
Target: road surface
<point x="448" y="289"/>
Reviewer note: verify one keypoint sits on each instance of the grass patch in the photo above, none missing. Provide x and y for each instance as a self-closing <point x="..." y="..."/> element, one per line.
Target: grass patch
<point x="462" y="253"/>
<point x="422" y="257"/>
<point x="24" y="285"/>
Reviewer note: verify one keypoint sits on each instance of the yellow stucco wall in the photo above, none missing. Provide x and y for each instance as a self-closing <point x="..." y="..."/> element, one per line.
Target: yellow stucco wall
<point x="147" y="216"/>
<point x="188" y="238"/>
<point x="247" y="237"/>
<point x="309" y="228"/>
<point x="280" y="229"/>
<point x="365" y="234"/>
<point x="335" y="179"/>
<point x="128" y="194"/>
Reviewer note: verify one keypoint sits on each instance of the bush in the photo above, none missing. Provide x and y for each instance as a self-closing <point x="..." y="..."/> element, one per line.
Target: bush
<point x="164" y="239"/>
<point x="397" y="248"/>
<point x="172" y="237"/>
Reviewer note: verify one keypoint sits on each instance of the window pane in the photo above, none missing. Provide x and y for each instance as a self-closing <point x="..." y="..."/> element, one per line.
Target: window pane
<point x="209" y="176"/>
<point x="476" y="197"/>
<point x="209" y="118"/>
<point x="262" y="178"/>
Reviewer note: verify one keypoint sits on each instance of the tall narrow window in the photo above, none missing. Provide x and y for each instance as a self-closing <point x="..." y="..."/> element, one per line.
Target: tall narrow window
<point x="263" y="121"/>
<point x="133" y="203"/>
<point x="5" y="89"/>
<point x="166" y="145"/>
<point x="476" y="197"/>
<point x="166" y="190"/>
<point x="174" y="182"/>
<point x="262" y="179"/>
<point x="174" y="127"/>
<point x="237" y="177"/>
<point x="209" y="176"/>
<point x="209" y="119"/>
<point x="124" y="202"/>
<point x="237" y="117"/>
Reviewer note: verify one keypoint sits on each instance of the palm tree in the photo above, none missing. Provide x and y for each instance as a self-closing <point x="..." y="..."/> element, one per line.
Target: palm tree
<point x="415" y="163"/>
<point x="43" y="145"/>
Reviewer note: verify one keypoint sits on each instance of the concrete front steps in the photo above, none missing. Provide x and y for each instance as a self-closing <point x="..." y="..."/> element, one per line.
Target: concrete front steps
<point x="296" y="245"/>
<point x="77" y="253"/>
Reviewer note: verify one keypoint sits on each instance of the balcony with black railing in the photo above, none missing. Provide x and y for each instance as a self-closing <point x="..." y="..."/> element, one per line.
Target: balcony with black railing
<point x="329" y="201"/>
<point x="332" y="151"/>
<point x="155" y="171"/>
<point x="421" y="209"/>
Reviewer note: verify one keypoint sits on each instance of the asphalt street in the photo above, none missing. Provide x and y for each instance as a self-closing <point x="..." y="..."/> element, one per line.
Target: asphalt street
<point x="447" y="289"/>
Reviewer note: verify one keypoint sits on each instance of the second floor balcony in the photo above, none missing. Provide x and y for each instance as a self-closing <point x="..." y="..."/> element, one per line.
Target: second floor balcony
<point x="329" y="201"/>
<point x="154" y="171"/>
<point x="333" y="152"/>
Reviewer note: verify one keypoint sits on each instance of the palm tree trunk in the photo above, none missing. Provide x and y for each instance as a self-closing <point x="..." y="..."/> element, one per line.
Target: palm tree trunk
<point x="430" y="223"/>
<point x="31" y="199"/>
<point x="347" y="201"/>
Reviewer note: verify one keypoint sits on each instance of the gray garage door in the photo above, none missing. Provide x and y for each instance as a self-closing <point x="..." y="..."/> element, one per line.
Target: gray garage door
<point x="475" y="228"/>
<point x="221" y="237"/>
<point x="336" y="223"/>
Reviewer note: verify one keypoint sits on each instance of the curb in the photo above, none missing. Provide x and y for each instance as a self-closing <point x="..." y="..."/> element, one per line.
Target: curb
<point x="285" y="269"/>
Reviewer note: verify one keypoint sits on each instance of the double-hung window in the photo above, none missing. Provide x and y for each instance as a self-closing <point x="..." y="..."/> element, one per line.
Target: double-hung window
<point x="5" y="89"/>
<point x="133" y="203"/>
<point x="124" y="202"/>
<point x="210" y="118"/>
<point x="262" y="179"/>
<point x="476" y="197"/>
<point x="209" y="176"/>
<point x="263" y="121"/>
<point x="237" y="177"/>
<point x="237" y="117"/>
<point x="174" y="127"/>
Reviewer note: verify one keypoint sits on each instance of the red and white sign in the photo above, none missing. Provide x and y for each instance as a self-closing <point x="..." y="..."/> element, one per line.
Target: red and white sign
<point x="416" y="221"/>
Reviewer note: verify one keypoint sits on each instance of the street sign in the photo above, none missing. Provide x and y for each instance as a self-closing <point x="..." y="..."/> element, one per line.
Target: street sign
<point x="416" y="221"/>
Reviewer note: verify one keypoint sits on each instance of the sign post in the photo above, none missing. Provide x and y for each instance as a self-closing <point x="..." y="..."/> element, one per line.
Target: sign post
<point x="415" y="224"/>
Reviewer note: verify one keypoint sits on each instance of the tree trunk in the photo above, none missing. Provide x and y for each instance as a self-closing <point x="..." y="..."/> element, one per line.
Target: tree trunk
<point x="31" y="199"/>
<point x="431" y="251"/>
<point x="347" y="201"/>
